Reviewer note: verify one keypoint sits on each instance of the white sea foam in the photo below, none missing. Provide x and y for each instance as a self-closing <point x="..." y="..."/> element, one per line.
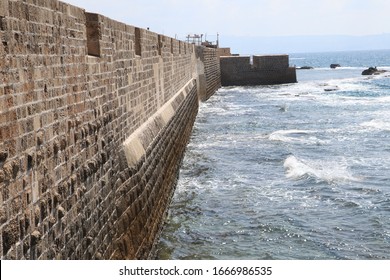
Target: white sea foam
<point x="296" y="136"/>
<point x="384" y="99"/>
<point x="329" y="171"/>
<point x="315" y="90"/>
<point x="377" y="124"/>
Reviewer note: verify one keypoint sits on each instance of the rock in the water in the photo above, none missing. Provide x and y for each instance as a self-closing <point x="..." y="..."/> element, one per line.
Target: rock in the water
<point x="331" y="88"/>
<point x="373" y="71"/>
<point x="334" y="65"/>
<point x="305" y="67"/>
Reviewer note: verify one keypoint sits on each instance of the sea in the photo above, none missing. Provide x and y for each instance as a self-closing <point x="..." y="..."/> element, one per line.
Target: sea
<point x="289" y="172"/>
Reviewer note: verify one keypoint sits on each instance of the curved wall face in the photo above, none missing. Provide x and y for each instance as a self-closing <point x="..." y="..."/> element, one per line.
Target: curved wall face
<point x="142" y="199"/>
<point x="94" y="119"/>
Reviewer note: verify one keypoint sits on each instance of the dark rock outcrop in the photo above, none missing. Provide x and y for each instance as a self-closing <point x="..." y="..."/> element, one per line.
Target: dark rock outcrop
<point x="334" y="65"/>
<point x="331" y="88"/>
<point x="373" y="71"/>
<point x="305" y="68"/>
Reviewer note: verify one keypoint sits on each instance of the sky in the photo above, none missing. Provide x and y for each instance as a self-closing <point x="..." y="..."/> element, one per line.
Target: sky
<point x="248" y="20"/>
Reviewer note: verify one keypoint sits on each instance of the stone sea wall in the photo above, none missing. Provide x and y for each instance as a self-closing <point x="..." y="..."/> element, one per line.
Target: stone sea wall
<point x="95" y="116"/>
<point x="208" y="71"/>
<point x="264" y="70"/>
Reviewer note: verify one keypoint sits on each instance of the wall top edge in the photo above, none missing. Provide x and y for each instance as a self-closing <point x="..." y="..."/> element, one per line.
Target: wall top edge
<point x="102" y="17"/>
<point x="270" y="55"/>
<point x="246" y="56"/>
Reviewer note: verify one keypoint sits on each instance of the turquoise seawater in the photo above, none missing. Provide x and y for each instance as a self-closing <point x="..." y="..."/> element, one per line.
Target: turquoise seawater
<point x="298" y="171"/>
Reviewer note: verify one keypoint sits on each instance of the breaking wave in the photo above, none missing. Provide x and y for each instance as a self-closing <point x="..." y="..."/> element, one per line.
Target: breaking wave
<point x="329" y="171"/>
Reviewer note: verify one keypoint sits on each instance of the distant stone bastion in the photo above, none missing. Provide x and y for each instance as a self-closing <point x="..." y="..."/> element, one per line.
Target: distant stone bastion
<point x="265" y="70"/>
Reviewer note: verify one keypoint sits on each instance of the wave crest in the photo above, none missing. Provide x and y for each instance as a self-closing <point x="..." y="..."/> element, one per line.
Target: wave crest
<point x="377" y="124"/>
<point x="295" y="136"/>
<point x="329" y="171"/>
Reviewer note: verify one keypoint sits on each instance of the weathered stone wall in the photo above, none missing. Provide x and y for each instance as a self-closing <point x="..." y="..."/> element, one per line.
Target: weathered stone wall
<point x="94" y="119"/>
<point x="265" y="70"/>
<point x="268" y="62"/>
<point x="209" y="72"/>
<point x="224" y="52"/>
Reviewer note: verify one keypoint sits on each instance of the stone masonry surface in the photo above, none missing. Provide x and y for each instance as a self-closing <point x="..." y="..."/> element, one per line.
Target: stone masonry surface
<point x="265" y="70"/>
<point x="75" y="89"/>
<point x="208" y="71"/>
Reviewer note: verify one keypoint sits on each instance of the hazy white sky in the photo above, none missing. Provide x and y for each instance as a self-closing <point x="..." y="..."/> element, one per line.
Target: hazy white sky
<point x="248" y="17"/>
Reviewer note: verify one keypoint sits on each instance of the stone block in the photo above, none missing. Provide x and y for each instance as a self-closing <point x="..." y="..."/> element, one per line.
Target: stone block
<point x="4" y="8"/>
